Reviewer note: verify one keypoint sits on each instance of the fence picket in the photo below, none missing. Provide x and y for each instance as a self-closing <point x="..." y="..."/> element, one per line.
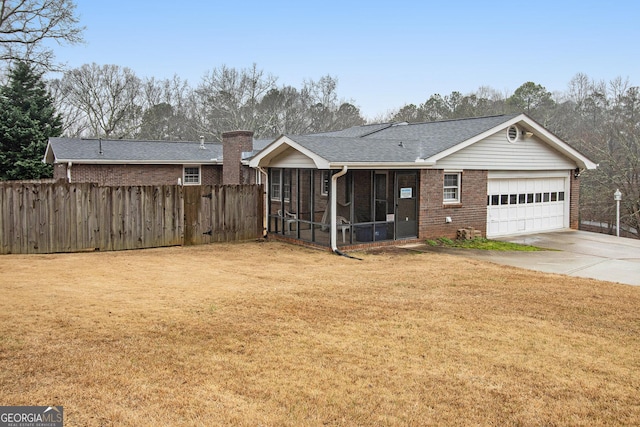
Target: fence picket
<point x="50" y="217"/>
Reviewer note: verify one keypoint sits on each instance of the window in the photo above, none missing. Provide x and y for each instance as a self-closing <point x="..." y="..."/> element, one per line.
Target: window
<point x="276" y="175"/>
<point x="191" y="175"/>
<point x="525" y="198"/>
<point x="324" y="191"/>
<point x="452" y="188"/>
<point x="286" y="184"/>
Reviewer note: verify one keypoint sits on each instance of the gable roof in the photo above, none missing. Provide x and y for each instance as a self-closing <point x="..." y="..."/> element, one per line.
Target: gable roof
<point x="416" y="145"/>
<point x="105" y="151"/>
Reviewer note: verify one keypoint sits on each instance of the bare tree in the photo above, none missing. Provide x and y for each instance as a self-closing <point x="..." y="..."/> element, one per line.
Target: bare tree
<point x="166" y="110"/>
<point x="285" y="110"/>
<point x="75" y="124"/>
<point x="108" y="97"/>
<point x="605" y="125"/>
<point x="25" y="26"/>
<point x="326" y="111"/>
<point x="228" y="98"/>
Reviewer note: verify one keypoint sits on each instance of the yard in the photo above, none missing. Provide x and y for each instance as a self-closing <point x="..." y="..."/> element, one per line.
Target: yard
<point x="264" y="333"/>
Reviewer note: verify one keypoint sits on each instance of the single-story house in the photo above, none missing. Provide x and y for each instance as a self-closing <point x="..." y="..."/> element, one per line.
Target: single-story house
<point x="392" y="182"/>
<point x="138" y="162"/>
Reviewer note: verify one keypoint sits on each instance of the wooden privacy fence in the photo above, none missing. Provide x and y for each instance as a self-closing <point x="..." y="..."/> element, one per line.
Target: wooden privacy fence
<point x="62" y="217"/>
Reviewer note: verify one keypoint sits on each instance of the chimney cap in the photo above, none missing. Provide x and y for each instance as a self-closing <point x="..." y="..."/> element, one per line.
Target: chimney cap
<point x="233" y="133"/>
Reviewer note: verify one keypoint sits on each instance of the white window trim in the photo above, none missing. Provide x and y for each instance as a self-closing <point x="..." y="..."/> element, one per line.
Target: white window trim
<point x="273" y="182"/>
<point x="283" y="188"/>
<point x="325" y="176"/>
<point x="457" y="187"/>
<point x="184" y="174"/>
<point x="516" y="138"/>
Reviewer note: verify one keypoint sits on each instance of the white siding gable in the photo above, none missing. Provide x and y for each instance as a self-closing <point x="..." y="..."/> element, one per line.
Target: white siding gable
<point x="292" y="158"/>
<point x="497" y="153"/>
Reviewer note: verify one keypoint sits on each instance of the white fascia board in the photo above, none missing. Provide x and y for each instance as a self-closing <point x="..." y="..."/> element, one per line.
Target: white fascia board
<point x="49" y="157"/>
<point x="558" y="144"/>
<point x="138" y="162"/>
<point x="539" y="131"/>
<point x="254" y="162"/>
<point x="280" y="145"/>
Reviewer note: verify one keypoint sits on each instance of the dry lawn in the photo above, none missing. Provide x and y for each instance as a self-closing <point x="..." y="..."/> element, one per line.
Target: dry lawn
<point x="271" y="334"/>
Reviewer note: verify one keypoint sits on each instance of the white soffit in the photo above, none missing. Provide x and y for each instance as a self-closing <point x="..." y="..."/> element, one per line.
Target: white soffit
<point x="283" y="148"/>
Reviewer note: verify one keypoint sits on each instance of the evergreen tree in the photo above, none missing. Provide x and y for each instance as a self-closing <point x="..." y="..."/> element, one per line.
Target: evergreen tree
<point x="27" y="120"/>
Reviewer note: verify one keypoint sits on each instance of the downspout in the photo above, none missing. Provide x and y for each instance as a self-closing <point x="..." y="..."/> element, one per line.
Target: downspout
<point x="69" y="164"/>
<point x="265" y="217"/>
<point x="334" y="214"/>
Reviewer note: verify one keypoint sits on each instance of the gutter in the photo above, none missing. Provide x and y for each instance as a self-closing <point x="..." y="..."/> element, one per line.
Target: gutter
<point x="334" y="214"/>
<point x="417" y="164"/>
<point x="142" y="162"/>
<point x="265" y="217"/>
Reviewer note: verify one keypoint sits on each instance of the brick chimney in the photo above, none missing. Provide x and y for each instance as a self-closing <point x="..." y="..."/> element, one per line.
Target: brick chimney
<point x="233" y="144"/>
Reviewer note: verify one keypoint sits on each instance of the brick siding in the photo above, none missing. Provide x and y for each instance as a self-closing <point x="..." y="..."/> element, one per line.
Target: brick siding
<point x="470" y="212"/>
<point x="108" y="175"/>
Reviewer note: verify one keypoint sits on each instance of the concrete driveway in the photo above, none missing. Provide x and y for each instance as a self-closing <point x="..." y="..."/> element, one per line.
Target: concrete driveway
<point x="575" y="253"/>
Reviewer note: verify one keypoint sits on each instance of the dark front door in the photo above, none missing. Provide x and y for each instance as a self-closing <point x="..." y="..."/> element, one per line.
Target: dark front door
<point x="406" y="217"/>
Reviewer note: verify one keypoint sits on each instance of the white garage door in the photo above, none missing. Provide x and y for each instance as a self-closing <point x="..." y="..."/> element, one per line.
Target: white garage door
<point x="517" y="206"/>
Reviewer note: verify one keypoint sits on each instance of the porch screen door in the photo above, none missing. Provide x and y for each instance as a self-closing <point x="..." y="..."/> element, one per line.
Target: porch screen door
<point x="406" y="205"/>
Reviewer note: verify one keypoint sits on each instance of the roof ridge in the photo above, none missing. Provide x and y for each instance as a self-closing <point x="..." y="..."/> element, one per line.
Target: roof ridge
<point x="460" y="119"/>
<point x="388" y="125"/>
<point x="136" y="140"/>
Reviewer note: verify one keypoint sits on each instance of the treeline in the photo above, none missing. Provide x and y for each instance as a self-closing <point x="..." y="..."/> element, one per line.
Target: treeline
<point x="111" y="101"/>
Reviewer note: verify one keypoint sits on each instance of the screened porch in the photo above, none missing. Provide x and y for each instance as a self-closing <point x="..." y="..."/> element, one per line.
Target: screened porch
<point x="367" y="205"/>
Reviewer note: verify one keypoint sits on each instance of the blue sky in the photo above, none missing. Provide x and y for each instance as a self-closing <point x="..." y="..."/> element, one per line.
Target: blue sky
<point x="384" y="54"/>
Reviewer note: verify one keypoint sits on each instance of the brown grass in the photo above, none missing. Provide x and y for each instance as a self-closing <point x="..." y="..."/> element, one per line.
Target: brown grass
<point x="271" y="334"/>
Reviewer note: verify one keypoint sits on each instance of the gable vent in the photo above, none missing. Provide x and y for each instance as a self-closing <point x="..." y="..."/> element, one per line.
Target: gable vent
<point x="512" y="133"/>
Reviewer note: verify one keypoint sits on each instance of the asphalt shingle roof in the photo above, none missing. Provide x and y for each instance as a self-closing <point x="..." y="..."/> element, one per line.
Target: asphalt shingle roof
<point x="88" y="150"/>
<point x="384" y="142"/>
<point x="396" y="142"/>
<point x="339" y="149"/>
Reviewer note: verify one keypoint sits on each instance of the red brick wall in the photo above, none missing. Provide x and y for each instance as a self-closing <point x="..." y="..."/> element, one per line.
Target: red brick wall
<point x="247" y="175"/>
<point x="211" y="175"/>
<point x="470" y="212"/>
<point x="574" y="203"/>
<point x="135" y="174"/>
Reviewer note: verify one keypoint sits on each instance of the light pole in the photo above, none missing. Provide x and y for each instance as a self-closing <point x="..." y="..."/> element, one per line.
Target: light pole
<point x="617" y="196"/>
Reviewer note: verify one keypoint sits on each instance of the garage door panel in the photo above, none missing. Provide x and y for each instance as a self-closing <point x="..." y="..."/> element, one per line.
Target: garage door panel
<point x="526" y="205"/>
